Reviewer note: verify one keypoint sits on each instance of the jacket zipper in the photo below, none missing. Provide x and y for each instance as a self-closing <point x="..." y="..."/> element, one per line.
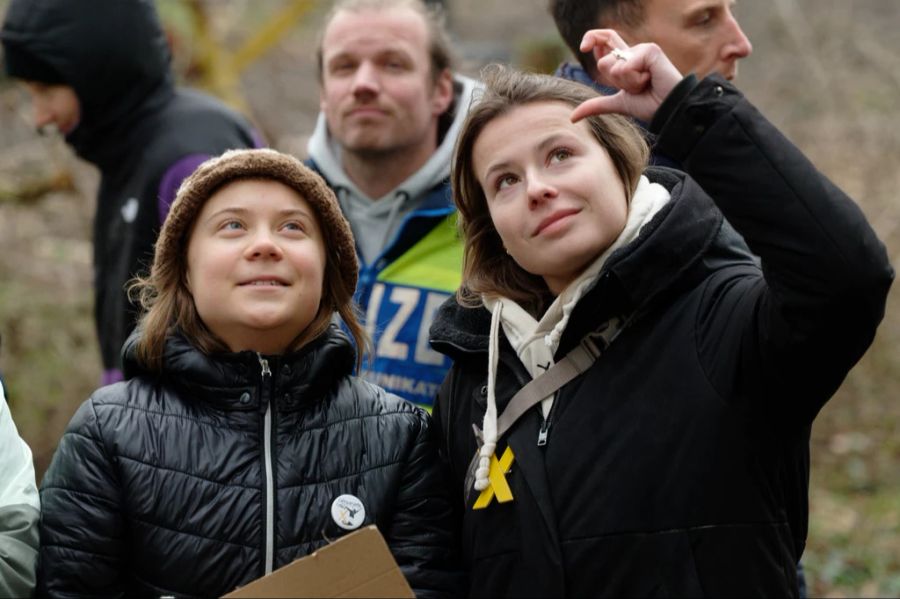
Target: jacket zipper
<point x="266" y="376"/>
<point x="545" y="425"/>
<point x="542" y="434"/>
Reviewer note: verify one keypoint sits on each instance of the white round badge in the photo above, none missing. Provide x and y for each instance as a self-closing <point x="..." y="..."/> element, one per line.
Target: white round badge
<point x="348" y="512"/>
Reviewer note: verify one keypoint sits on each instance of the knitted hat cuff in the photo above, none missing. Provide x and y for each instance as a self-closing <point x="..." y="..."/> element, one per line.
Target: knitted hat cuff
<point x="264" y="164"/>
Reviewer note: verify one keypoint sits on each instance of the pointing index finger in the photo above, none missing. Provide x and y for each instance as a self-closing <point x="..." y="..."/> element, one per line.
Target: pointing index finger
<point x="594" y="106"/>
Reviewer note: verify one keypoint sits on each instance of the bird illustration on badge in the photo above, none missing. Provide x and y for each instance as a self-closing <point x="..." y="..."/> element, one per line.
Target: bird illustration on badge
<point x="348" y="511"/>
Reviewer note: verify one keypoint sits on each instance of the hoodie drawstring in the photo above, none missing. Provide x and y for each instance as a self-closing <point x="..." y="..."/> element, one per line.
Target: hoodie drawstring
<point x="490" y="414"/>
<point x="401" y="198"/>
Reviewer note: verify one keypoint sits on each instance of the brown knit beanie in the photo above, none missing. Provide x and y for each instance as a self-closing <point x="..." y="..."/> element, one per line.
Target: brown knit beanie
<point x="233" y="165"/>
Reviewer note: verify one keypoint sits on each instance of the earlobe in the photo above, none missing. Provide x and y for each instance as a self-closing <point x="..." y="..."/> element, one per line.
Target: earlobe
<point x="443" y="92"/>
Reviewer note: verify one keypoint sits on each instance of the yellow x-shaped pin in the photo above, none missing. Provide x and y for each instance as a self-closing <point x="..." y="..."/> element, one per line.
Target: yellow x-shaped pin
<point x="498" y="486"/>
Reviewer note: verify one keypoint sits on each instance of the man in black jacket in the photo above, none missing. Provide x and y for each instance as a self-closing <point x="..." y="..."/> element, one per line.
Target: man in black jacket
<point x="698" y="37"/>
<point x="101" y="77"/>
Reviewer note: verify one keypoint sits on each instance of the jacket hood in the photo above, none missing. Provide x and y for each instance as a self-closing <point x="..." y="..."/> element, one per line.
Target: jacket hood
<point x="225" y="378"/>
<point x="326" y="153"/>
<point x="113" y="53"/>
<point x="675" y="241"/>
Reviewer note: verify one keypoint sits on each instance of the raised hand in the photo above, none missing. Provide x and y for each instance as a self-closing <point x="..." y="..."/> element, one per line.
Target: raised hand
<point x="643" y="74"/>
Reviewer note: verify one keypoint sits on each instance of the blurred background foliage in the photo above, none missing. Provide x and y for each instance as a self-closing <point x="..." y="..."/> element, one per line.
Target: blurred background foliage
<point x="827" y="72"/>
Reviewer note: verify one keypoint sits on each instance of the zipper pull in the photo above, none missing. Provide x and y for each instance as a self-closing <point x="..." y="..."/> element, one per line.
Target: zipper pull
<point x="264" y="364"/>
<point x="542" y="434"/>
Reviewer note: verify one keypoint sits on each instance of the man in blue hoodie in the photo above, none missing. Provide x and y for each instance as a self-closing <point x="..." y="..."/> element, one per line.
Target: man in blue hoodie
<point x="99" y="74"/>
<point x="391" y="108"/>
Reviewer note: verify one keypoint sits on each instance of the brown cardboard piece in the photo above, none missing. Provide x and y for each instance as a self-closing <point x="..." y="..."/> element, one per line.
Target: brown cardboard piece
<point x="356" y="565"/>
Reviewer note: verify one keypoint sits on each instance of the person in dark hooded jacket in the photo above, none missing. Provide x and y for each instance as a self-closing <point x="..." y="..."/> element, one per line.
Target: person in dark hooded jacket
<point x="629" y="408"/>
<point x="240" y="441"/>
<point x="99" y="73"/>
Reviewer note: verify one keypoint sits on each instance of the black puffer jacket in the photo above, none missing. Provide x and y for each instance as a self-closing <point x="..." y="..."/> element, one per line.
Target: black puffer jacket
<point x="160" y="485"/>
<point x="677" y="464"/>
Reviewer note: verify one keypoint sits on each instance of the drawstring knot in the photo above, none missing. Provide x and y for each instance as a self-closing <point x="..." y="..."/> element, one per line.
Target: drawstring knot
<point x="490" y="414"/>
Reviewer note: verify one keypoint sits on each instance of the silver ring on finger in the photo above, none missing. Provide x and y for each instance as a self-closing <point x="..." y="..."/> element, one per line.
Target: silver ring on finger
<point x="620" y="54"/>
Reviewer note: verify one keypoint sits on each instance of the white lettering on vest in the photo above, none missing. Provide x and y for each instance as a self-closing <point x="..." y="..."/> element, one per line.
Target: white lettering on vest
<point x="388" y="346"/>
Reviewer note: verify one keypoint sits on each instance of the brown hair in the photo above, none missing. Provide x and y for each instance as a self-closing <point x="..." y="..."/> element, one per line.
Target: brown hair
<point x="164" y="295"/>
<point x="574" y="18"/>
<point x="487" y="268"/>
<point x="440" y="50"/>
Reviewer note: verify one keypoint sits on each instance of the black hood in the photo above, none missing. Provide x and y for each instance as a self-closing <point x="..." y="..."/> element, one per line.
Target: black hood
<point x="113" y="53"/>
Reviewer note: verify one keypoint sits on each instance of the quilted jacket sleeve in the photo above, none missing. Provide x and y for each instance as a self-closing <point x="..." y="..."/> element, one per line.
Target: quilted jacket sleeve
<point x="18" y="510"/>
<point x="422" y="536"/>
<point x="796" y="333"/>
<point x="81" y="526"/>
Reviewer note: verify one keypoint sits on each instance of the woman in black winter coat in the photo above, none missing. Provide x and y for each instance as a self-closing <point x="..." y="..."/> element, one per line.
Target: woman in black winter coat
<point x="665" y="381"/>
<point x="240" y="440"/>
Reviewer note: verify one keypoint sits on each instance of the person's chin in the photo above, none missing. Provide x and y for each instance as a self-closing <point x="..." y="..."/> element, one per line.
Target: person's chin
<point x="369" y="142"/>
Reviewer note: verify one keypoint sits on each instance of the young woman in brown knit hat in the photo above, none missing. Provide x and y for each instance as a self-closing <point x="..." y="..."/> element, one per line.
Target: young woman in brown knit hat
<point x="240" y="440"/>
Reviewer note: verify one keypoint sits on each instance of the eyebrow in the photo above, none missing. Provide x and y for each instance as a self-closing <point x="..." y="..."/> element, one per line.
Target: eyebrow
<point x="242" y="211"/>
<point x="552" y="140"/>
<point x="342" y="55"/>
<point x="381" y="54"/>
<point x="702" y="6"/>
<point x="549" y="141"/>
